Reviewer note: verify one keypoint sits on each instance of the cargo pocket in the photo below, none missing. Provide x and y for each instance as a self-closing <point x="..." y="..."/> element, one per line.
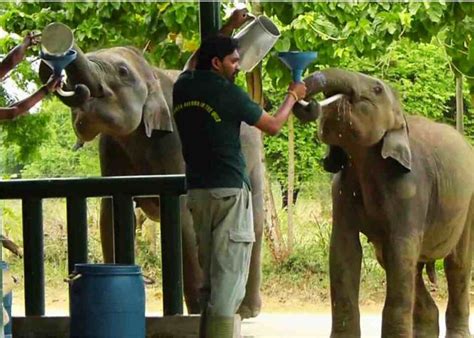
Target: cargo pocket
<point x="224" y="194"/>
<point x="240" y="236"/>
<point x="240" y="250"/>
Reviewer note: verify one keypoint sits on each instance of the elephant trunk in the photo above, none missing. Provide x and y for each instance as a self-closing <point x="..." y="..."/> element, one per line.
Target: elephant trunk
<point x="82" y="77"/>
<point x="329" y="82"/>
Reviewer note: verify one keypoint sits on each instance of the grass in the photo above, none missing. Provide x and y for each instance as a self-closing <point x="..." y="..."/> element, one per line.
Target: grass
<point x="302" y="279"/>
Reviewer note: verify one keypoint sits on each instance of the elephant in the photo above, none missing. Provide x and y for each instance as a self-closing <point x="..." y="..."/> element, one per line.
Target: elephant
<point x="407" y="184"/>
<point x="118" y="96"/>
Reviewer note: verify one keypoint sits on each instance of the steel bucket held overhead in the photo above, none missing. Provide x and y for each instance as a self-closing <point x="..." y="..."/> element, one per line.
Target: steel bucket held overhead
<point x="255" y="41"/>
<point x="56" y="39"/>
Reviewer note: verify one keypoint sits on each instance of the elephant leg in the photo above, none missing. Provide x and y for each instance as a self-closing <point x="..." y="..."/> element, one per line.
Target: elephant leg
<point x="425" y="313"/>
<point x="107" y="230"/>
<point x="345" y="258"/>
<point x="400" y="257"/>
<point x="252" y="303"/>
<point x="192" y="273"/>
<point x="113" y="162"/>
<point x="457" y="267"/>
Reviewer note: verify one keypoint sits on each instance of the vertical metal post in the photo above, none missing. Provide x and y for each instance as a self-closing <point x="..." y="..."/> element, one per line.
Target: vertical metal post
<point x="124" y="229"/>
<point x="209" y="17"/>
<point x="33" y="256"/>
<point x="171" y="255"/>
<point x="76" y="231"/>
<point x="2" y="332"/>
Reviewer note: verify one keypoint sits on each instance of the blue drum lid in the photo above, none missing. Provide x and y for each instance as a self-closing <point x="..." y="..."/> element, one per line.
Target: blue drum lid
<point x="107" y="269"/>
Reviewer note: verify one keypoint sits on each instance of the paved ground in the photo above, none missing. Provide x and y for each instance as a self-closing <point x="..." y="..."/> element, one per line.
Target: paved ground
<point x="290" y="325"/>
<point x="311" y="325"/>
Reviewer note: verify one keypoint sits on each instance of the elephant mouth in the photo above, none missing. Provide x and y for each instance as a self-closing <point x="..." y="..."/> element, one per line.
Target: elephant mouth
<point x="336" y="121"/>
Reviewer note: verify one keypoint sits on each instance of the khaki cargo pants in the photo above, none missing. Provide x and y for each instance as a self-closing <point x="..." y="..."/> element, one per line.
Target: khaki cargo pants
<point x="223" y="222"/>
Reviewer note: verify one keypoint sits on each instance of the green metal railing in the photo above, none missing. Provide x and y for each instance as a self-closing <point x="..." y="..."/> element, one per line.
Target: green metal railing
<point x="76" y="191"/>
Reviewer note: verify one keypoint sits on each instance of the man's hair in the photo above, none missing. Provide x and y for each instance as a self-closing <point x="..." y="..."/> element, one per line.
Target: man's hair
<point x="215" y="46"/>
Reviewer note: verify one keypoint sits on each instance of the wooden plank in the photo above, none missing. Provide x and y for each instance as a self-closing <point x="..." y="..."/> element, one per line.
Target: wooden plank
<point x="58" y="327"/>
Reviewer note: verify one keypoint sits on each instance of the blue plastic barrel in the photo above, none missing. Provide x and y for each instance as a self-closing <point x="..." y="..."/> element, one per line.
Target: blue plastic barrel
<point x="107" y="301"/>
<point x="7" y="303"/>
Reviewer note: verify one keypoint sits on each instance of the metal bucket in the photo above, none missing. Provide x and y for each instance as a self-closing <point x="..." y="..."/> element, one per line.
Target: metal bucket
<point x="255" y="41"/>
<point x="56" y="39"/>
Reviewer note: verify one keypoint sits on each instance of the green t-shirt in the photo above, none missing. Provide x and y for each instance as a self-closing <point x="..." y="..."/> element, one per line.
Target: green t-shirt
<point x="208" y="110"/>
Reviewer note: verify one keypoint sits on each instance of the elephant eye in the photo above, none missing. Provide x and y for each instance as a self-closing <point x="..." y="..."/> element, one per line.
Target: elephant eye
<point x="378" y="90"/>
<point x="123" y="71"/>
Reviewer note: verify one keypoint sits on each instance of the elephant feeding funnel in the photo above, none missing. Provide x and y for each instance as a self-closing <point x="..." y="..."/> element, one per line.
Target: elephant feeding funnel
<point x="56" y="47"/>
<point x="58" y="63"/>
<point x="297" y="62"/>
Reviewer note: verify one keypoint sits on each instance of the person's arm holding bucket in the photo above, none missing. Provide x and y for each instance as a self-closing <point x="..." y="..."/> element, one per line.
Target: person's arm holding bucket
<point x="236" y="20"/>
<point x="17" y="54"/>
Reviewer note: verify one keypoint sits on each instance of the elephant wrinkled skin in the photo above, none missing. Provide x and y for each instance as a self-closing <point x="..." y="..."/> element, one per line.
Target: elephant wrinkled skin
<point x="127" y="102"/>
<point x="405" y="182"/>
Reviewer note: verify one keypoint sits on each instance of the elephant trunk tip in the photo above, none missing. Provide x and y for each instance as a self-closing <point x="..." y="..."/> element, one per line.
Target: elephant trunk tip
<point x="308" y="113"/>
<point x="78" y="145"/>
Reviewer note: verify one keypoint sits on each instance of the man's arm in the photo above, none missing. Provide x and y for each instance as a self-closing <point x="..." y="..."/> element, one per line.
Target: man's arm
<point x="17" y="54"/>
<point x="236" y="20"/>
<point x="22" y="107"/>
<point x="272" y="124"/>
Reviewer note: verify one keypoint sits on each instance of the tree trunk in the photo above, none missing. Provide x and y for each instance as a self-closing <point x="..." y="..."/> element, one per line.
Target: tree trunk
<point x="291" y="181"/>
<point x="272" y="224"/>
<point x="271" y="230"/>
<point x="459" y="104"/>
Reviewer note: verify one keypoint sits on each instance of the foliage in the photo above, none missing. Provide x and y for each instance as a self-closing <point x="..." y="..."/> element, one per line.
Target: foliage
<point x="22" y="138"/>
<point x="340" y="32"/>
<point x="56" y="156"/>
<point x="356" y="36"/>
<point x="170" y="32"/>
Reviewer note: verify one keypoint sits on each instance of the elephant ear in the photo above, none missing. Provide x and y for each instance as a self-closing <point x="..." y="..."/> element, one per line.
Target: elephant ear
<point x="396" y="145"/>
<point x="156" y="111"/>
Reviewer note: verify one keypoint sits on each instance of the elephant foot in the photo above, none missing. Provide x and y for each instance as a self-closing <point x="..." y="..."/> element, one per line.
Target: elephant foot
<point x="344" y="335"/>
<point x="427" y="333"/>
<point x="193" y="306"/>
<point x="458" y="334"/>
<point x="250" y="308"/>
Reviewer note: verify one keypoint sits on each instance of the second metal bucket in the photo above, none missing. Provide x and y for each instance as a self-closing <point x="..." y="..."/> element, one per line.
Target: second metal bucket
<point x="255" y="41"/>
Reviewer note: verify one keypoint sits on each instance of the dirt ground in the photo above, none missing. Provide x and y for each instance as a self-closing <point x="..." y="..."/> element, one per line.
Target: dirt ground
<point x="57" y="304"/>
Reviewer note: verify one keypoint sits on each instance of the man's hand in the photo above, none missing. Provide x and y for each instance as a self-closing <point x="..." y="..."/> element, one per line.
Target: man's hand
<point x="31" y="39"/>
<point x="239" y="17"/>
<point x="297" y="90"/>
<point x="53" y="84"/>
<point x="236" y="20"/>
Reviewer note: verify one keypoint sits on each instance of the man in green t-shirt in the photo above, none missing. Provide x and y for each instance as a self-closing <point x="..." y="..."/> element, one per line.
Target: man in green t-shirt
<point x="208" y="109"/>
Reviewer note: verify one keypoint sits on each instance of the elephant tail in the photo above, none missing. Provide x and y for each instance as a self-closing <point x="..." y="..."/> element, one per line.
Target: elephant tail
<point x="431" y="272"/>
<point x="10" y="245"/>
